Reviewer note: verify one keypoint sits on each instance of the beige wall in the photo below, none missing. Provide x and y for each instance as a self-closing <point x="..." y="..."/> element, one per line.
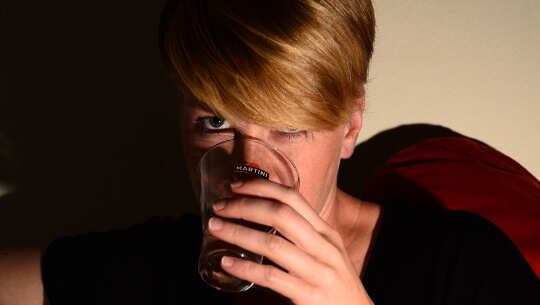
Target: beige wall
<point x="472" y="66"/>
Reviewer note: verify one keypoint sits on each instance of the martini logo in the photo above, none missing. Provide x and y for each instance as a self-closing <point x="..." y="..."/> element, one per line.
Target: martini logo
<point x="251" y="169"/>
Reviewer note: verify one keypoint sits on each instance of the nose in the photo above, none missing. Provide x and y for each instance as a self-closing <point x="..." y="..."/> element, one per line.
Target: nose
<point x="251" y="131"/>
<point x="248" y="150"/>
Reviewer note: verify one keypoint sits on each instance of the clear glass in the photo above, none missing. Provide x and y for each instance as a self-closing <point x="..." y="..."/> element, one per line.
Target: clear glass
<point x="228" y="161"/>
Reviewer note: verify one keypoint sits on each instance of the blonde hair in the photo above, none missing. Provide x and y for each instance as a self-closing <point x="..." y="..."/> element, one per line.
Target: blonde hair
<point x="280" y="64"/>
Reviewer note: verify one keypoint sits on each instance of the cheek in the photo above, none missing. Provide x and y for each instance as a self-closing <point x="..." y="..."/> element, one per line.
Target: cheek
<point x="192" y="155"/>
<point x="317" y="171"/>
<point x="192" y="161"/>
<point x="196" y="145"/>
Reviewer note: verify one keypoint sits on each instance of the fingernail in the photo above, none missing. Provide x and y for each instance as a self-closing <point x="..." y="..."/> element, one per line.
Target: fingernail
<point x="237" y="183"/>
<point x="226" y="261"/>
<point x="215" y="223"/>
<point x="219" y="205"/>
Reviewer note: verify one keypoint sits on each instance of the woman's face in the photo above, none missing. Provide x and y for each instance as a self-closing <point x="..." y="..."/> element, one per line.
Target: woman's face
<point x="316" y="154"/>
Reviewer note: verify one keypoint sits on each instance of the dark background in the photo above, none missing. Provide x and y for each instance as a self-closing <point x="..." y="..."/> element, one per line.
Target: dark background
<point x="89" y="137"/>
<point x="88" y="120"/>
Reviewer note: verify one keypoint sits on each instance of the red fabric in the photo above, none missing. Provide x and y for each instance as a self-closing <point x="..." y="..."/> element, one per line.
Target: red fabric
<point x="462" y="174"/>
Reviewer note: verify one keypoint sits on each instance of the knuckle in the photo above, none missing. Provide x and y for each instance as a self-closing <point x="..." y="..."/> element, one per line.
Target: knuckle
<point x="335" y="255"/>
<point x="274" y="243"/>
<point x="335" y="239"/>
<point x="329" y="275"/>
<point x="238" y="203"/>
<point x="270" y="274"/>
<point x="318" y="297"/>
<point x="332" y="234"/>
<point x="234" y="232"/>
<point x="237" y="206"/>
<point x="230" y="205"/>
<point x="250" y="268"/>
<point x="291" y="195"/>
<point x="283" y="211"/>
<point x="338" y="240"/>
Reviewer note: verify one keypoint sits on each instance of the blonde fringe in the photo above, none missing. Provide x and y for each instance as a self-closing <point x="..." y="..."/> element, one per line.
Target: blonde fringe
<point x="306" y="76"/>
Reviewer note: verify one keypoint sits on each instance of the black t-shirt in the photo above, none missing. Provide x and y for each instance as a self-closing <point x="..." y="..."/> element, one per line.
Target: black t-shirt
<point x="420" y="256"/>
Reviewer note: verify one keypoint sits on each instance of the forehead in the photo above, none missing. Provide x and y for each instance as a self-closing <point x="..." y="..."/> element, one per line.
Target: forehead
<point x="190" y="101"/>
<point x="279" y="117"/>
<point x="191" y="105"/>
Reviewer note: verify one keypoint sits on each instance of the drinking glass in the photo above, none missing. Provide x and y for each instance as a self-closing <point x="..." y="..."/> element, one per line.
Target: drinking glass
<point x="228" y="161"/>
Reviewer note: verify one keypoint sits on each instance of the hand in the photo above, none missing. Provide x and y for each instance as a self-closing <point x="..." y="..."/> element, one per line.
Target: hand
<point x="318" y="268"/>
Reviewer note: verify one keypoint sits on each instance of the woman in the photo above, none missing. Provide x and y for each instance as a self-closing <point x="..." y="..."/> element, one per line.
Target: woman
<point x="291" y="73"/>
<point x="246" y="69"/>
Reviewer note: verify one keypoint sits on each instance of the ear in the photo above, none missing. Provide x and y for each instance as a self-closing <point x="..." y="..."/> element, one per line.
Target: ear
<point x="353" y="128"/>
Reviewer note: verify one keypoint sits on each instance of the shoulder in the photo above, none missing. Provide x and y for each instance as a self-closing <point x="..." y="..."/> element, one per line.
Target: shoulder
<point x="433" y="229"/>
<point x="414" y="218"/>
<point x="152" y="231"/>
<point x="141" y="243"/>
<point x="454" y="255"/>
<point x="126" y="263"/>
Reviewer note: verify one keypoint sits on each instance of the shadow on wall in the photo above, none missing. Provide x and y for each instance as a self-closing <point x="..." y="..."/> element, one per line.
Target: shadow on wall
<point x="370" y="155"/>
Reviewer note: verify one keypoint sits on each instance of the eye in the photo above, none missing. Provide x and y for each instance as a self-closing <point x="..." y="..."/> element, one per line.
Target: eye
<point x="213" y="123"/>
<point x="292" y="133"/>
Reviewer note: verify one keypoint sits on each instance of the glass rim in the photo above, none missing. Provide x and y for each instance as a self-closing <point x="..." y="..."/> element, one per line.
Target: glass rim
<point x="258" y="141"/>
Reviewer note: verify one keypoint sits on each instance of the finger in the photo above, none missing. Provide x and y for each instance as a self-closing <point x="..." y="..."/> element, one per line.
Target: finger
<point x="281" y="217"/>
<point x="277" y="249"/>
<point x="267" y="276"/>
<point x="272" y="190"/>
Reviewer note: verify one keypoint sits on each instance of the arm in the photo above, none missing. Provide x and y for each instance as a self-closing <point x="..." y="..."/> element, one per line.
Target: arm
<point x="20" y="277"/>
